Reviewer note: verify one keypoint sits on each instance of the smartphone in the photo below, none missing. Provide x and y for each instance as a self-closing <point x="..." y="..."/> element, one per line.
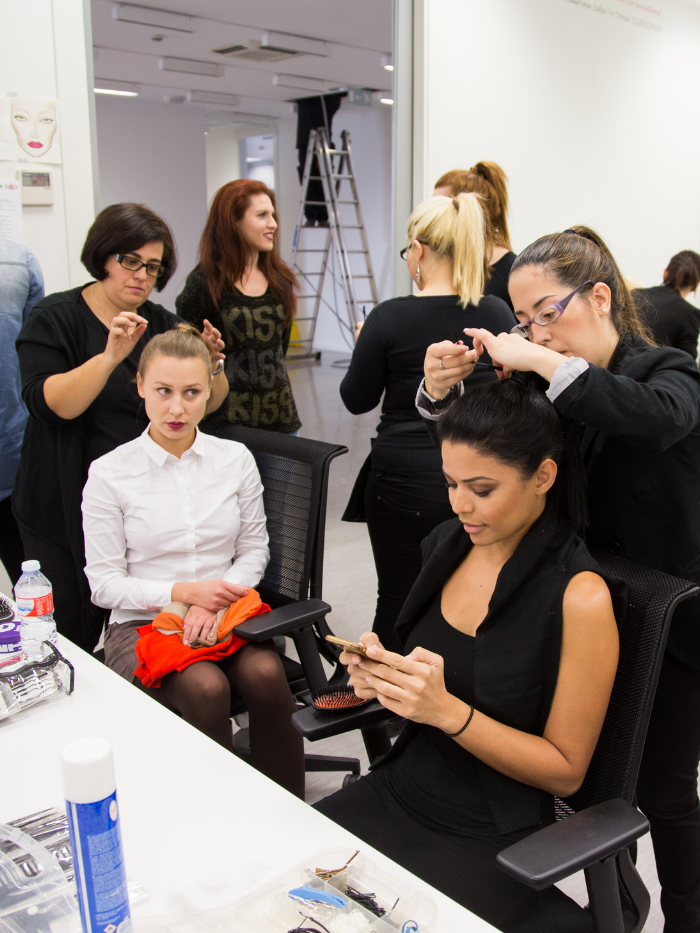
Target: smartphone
<point x="352" y="646"/>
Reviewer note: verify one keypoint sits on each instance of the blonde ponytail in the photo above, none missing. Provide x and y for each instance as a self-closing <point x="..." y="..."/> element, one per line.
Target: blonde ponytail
<point x="455" y="228"/>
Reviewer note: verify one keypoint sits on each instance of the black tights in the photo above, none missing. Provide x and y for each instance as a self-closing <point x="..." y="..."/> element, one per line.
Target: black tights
<point x="202" y="695"/>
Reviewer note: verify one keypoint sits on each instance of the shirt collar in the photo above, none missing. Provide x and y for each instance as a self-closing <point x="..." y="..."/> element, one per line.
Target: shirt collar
<point x="159" y="455"/>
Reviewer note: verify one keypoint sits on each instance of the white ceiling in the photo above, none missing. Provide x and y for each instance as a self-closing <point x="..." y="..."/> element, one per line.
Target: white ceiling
<point x="358" y="33"/>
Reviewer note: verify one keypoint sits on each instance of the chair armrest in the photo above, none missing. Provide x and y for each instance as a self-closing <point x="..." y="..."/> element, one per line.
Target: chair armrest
<point x="283" y="620"/>
<point x="316" y="724"/>
<point x="569" y="845"/>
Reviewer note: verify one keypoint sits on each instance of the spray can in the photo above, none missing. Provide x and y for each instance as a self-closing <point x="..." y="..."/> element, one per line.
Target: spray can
<point x="93" y="822"/>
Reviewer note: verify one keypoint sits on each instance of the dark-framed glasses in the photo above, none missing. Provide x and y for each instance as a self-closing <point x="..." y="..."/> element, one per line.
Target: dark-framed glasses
<point x="403" y="252"/>
<point x="153" y="268"/>
<point x="547" y="315"/>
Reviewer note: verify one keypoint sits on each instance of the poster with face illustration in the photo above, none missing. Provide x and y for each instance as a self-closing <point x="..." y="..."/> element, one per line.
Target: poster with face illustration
<point x="29" y="129"/>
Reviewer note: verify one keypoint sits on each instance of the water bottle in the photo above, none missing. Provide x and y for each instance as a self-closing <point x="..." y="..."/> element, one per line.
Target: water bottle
<point x="34" y="599"/>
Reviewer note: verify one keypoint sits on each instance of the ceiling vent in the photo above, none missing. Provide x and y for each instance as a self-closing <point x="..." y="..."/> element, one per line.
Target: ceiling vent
<point x="275" y="47"/>
<point x="257" y="52"/>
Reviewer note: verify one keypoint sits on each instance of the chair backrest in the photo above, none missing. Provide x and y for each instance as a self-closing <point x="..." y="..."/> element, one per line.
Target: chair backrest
<point x="652" y="599"/>
<point x="294" y="474"/>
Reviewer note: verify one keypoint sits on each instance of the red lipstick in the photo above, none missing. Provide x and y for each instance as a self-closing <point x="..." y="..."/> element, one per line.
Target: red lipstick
<point x="36" y="145"/>
<point x="175" y="425"/>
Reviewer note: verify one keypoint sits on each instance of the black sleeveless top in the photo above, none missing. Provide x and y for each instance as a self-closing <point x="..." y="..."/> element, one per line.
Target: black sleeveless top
<point x="433" y="777"/>
<point x="517" y="647"/>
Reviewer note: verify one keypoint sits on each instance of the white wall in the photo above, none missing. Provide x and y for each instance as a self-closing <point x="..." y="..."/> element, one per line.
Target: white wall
<point x="590" y="107"/>
<point x="154" y="154"/>
<point x="223" y="152"/>
<point x="53" y="58"/>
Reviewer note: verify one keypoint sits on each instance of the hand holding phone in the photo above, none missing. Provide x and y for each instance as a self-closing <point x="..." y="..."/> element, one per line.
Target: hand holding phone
<point x="353" y="647"/>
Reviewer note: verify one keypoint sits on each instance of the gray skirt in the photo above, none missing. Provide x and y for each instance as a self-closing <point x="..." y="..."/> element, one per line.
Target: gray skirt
<point x="120" y="647"/>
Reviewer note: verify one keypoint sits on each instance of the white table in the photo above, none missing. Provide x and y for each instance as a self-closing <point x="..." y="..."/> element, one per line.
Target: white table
<point x="186" y="804"/>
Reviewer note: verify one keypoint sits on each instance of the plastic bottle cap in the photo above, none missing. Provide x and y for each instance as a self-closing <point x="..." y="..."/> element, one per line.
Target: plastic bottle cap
<point x="88" y="770"/>
<point x="29" y="566"/>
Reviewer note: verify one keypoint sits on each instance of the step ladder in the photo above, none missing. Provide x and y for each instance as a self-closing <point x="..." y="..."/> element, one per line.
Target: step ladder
<point x="336" y="252"/>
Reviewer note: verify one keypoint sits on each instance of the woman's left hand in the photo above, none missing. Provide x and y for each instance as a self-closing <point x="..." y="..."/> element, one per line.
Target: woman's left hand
<point x="212" y="337"/>
<point x="200" y="622"/>
<point x="411" y="686"/>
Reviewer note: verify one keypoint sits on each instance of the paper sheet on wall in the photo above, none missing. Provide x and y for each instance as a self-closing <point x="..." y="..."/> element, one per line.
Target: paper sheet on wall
<point x="10" y="211"/>
<point x="29" y="130"/>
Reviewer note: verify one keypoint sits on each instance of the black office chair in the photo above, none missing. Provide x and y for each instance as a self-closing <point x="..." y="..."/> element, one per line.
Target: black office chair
<point x="597" y="824"/>
<point x="294" y="473"/>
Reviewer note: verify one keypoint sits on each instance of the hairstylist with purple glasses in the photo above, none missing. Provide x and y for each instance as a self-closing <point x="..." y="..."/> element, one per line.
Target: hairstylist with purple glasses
<point x="640" y="407"/>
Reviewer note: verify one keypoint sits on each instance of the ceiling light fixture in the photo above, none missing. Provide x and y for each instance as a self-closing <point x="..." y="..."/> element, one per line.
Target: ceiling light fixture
<point x="144" y="16"/>
<point x="191" y="67"/>
<point x="305" y="84"/>
<point x="105" y="90"/>
<point x="117" y="88"/>
<point x="213" y="97"/>
<point x="386" y="63"/>
<point x="386" y="100"/>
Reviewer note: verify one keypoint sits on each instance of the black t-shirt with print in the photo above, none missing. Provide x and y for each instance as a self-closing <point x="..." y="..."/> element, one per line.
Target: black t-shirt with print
<point x="256" y="342"/>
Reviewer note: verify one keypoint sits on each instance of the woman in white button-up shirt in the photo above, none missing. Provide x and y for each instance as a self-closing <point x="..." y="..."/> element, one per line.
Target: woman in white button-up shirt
<point x="177" y="515"/>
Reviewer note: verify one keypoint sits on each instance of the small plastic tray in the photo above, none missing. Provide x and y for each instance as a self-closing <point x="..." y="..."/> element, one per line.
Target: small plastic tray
<point x="270" y="908"/>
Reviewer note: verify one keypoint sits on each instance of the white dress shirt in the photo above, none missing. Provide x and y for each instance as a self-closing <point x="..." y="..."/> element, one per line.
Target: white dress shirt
<point x="151" y="521"/>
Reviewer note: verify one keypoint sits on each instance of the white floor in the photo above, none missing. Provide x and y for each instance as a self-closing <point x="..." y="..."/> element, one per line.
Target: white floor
<point x="349" y="576"/>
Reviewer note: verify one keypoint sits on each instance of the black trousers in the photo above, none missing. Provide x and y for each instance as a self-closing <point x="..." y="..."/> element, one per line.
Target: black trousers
<point x="76" y="617"/>
<point x="401" y="509"/>
<point x="461" y="864"/>
<point x="11" y="548"/>
<point x="667" y="793"/>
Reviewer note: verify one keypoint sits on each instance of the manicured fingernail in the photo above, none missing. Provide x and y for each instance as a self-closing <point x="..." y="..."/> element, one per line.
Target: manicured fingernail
<point x="368" y="680"/>
<point x="373" y="650"/>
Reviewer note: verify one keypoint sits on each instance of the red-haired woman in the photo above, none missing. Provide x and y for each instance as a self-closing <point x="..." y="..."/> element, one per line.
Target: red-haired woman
<point x="243" y="287"/>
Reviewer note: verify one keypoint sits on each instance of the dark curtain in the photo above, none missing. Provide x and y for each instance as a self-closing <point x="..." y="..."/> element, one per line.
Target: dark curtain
<point x="313" y="113"/>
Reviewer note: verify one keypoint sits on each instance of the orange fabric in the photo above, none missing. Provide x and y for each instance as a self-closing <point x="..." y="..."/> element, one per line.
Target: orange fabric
<point x="160" y="654"/>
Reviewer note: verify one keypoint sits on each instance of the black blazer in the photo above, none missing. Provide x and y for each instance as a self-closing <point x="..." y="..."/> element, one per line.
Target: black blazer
<point x="517" y="647"/>
<point x="673" y="321"/>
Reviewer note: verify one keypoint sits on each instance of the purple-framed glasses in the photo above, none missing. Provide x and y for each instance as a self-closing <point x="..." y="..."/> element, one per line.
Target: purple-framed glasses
<point x="547" y="315"/>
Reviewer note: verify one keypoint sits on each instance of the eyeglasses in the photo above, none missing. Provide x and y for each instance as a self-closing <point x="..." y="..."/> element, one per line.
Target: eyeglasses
<point x="153" y="268"/>
<point x="547" y="315"/>
<point x="405" y="250"/>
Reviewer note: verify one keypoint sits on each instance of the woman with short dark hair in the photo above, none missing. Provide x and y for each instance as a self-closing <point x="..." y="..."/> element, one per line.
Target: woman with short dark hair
<point x="672" y="319"/>
<point x="79" y="352"/>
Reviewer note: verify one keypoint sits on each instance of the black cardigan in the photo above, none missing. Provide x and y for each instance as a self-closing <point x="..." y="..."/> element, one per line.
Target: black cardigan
<point x="641" y="447"/>
<point x="54" y="464"/>
<point x="517" y="647"/>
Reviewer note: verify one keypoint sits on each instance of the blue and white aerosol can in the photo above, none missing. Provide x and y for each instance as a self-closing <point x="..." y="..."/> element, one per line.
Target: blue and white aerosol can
<point x="93" y="821"/>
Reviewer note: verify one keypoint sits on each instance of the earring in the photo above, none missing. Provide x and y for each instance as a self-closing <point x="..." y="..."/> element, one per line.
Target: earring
<point x="417" y="273"/>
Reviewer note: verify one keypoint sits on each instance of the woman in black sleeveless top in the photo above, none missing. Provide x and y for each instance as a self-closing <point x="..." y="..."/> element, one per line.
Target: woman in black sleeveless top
<point x="511" y="650"/>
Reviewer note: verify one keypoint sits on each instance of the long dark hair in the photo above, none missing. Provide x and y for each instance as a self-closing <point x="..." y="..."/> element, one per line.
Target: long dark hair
<point x="224" y="253"/>
<point x="520" y="427"/>
<point x="579" y="254"/>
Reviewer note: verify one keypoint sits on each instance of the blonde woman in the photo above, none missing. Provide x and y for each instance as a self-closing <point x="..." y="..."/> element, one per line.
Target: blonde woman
<point x="176" y="515"/>
<point x="401" y="491"/>
<point x="489" y="181"/>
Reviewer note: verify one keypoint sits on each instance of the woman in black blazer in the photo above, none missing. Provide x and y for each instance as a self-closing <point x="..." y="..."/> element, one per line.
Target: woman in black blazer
<point x="639" y="406"/>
